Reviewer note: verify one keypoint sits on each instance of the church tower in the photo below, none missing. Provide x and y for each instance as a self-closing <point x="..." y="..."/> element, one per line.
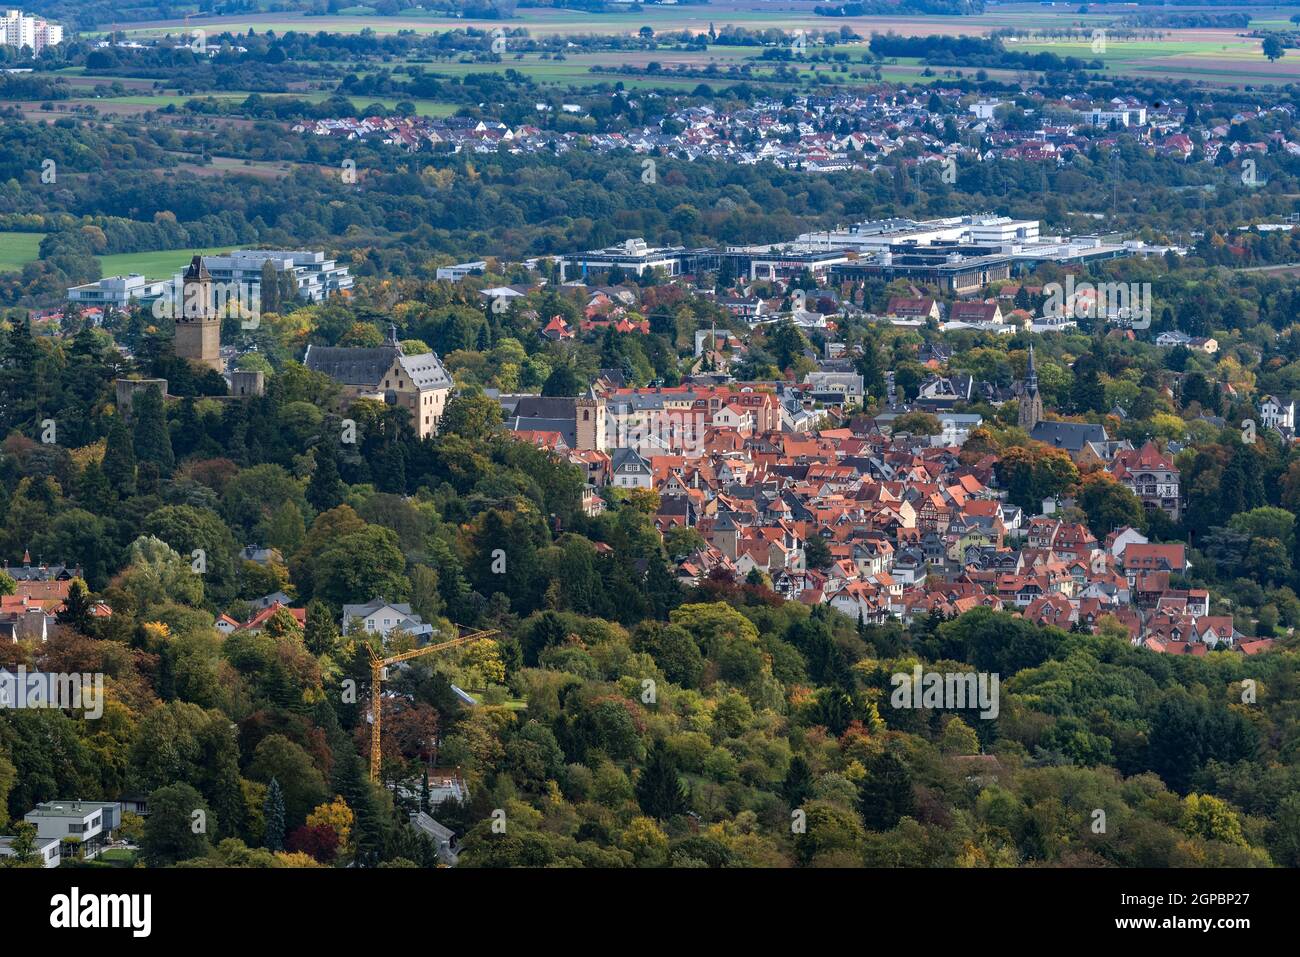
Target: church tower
<point x="198" y="327"/>
<point x="1031" y="403"/>
<point x="589" y="416"/>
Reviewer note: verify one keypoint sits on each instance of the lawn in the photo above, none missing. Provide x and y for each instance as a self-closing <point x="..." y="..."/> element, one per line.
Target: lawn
<point x="118" y="857"/>
<point x="18" y="249"/>
<point x="154" y="265"/>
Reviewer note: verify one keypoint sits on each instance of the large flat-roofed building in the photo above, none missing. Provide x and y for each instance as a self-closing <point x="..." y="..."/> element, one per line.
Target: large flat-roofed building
<point x="317" y="276"/>
<point x="1003" y="229"/>
<point x="91" y="822"/>
<point x="459" y="271"/>
<point x="633" y="256"/>
<point x="954" y="269"/>
<point x="236" y="275"/>
<point x="783" y="262"/>
<point x="420" y="384"/>
<point x="1120" y="115"/>
<point x="881" y="235"/>
<point x="46" y="849"/>
<point x="116" y="292"/>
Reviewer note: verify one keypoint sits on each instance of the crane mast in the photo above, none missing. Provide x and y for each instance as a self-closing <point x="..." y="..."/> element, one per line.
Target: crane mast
<point x="377" y="665"/>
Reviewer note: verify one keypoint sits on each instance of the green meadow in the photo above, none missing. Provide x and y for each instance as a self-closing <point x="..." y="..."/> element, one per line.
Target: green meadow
<point x="154" y="265"/>
<point x="18" y="249"/>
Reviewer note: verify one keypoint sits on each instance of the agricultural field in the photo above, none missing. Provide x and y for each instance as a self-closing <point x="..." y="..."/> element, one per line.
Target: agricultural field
<point x="154" y="265"/>
<point x="1212" y="56"/>
<point x="18" y="249"/>
<point x="695" y="18"/>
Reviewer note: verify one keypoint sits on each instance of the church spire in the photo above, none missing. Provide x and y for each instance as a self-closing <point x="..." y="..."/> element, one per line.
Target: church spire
<point x="1031" y="403"/>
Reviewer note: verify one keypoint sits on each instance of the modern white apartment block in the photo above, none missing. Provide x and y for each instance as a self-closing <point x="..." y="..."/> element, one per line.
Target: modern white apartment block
<point x="46" y="849"/>
<point x="318" y="276"/>
<point x="91" y="823"/>
<point x="460" y="270"/>
<point x="20" y="31"/>
<point x="116" y="292"/>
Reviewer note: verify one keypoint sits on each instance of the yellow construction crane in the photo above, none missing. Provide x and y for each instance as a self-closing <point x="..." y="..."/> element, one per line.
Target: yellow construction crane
<point x="377" y="666"/>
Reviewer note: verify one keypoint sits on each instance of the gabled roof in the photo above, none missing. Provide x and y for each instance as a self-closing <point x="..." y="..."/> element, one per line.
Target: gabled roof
<point x="358" y="367"/>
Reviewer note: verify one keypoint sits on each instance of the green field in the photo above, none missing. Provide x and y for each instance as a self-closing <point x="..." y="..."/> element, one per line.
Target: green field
<point x="155" y="265"/>
<point x="1210" y="55"/>
<point x="18" y="249"/>
<point x="1214" y="55"/>
<point x="695" y="18"/>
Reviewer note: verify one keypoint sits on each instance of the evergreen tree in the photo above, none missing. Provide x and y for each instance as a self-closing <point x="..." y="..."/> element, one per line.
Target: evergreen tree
<point x="392" y="473"/>
<point x="370" y="833"/>
<point x="152" y="441"/>
<point x="798" y="783"/>
<point x="94" y="492"/>
<point x="270" y="288"/>
<point x="320" y="634"/>
<point x="188" y="429"/>
<point x="871" y="370"/>
<point x="326" y="489"/>
<point x="885" y="796"/>
<point x="20" y="358"/>
<point x="273" y="815"/>
<point x="119" y="458"/>
<point x="659" y="789"/>
<point x="662" y="590"/>
<point x="76" y="613"/>
<point x="288" y="289"/>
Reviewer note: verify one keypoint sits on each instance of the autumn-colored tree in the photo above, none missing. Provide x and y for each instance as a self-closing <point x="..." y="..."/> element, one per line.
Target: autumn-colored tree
<point x="319" y="841"/>
<point x="1109" y="505"/>
<point x="1035" y="472"/>
<point x="337" y="816"/>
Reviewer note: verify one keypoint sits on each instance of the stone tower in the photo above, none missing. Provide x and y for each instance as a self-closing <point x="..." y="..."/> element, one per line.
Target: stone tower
<point x="198" y="328"/>
<point x="1031" y="403"/>
<point x="589" y="413"/>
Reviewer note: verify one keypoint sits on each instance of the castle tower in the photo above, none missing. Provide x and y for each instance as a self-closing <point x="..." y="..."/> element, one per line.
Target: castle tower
<point x="589" y="413"/>
<point x="1031" y="403"/>
<point x="198" y="328"/>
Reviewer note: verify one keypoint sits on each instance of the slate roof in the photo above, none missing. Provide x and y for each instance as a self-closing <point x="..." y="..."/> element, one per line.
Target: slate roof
<point x="1071" y="436"/>
<point x="567" y="427"/>
<point x="546" y="407"/>
<point x="426" y="371"/>
<point x="366" y="367"/>
<point x="360" y="367"/>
